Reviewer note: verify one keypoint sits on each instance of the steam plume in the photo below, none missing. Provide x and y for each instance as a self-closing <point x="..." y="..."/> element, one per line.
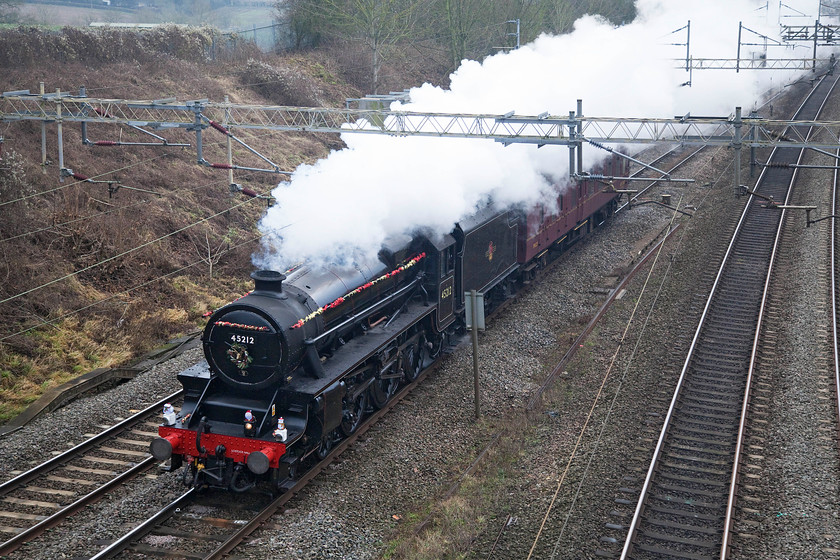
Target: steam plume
<point x="342" y="207"/>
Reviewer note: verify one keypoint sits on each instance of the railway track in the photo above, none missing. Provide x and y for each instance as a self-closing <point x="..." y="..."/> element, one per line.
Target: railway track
<point x="793" y="403"/>
<point x="169" y="523"/>
<point x="128" y="457"/>
<point x="834" y="254"/>
<point x="674" y="158"/>
<point x="686" y="502"/>
<point x="46" y="495"/>
<point x="208" y="524"/>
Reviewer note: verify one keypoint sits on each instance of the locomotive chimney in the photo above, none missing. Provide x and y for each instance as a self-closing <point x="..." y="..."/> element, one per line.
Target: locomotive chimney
<point x="268" y="282"/>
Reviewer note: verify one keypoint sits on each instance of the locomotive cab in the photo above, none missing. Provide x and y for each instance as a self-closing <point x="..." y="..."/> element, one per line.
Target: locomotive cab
<point x="440" y="280"/>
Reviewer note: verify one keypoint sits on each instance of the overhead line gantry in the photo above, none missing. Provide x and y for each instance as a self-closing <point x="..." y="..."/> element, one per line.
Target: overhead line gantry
<point x="572" y="130"/>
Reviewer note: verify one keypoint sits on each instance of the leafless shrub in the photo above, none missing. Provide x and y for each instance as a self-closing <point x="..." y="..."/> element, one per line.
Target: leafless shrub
<point x="31" y="45"/>
<point x="13" y="183"/>
<point x="280" y="84"/>
<point x="232" y="47"/>
<point x="208" y="251"/>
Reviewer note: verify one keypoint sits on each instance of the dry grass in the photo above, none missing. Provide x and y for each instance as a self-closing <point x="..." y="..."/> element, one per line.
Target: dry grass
<point x="458" y="521"/>
<point x="112" y="309"/>
<point x="118" y="308"/>
<point x="62" y="352"/>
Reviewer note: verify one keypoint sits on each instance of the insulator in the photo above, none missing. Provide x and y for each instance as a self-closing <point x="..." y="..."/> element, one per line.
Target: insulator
<point x="248" y="192"/>
<point x="106" y="143"/>
<point x="777" y="164"/>
<point x="219" y="127"/>
<point x="221" y="166"/>
<point x="599" y="145"/>
<point x="102" y="113"/>
<point x="80" y="177"/>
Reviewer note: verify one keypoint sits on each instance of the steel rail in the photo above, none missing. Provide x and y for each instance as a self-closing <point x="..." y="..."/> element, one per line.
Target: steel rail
<point x="640" y="506"/>
<point x="65" y="512"/>
<point x="231" y="542"/>
<point x="144" y="528"/>
<point x="733" y="485"/>
<point x="834" y="299"/>
<point x="288" y="493"/>
<point x="236" y="538"/>
<point x="59" y="460"/>
<point x="56" y="461"/>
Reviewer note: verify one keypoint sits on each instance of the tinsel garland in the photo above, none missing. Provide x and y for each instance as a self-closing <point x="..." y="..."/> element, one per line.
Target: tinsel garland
<point x="408" y="264"/>
<point x="241" y="326"/>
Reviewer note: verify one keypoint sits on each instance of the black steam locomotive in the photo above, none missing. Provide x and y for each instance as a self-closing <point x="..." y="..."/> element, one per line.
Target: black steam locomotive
<point x="294" y="366"/>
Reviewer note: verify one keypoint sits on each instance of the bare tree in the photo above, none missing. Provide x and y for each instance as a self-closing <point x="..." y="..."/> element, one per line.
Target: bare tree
<point x="376" y="24"/>
<point x="463" y="18"/>
<point x="303" y="24"/>
<point x="207" y="253"/>
<point x="465" y="28"/>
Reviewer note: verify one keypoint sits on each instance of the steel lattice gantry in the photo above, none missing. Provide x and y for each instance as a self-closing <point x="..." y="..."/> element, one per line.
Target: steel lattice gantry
<point x="825" y="34"/>
<point x="572" y="130"/>
<point x="750" y="63"/>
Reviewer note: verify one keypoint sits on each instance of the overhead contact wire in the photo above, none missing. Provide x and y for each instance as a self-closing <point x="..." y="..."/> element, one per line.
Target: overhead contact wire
<point x="74" y="183"/>
<point x="595" y="402"/>
<point x="128" y="252"/>
<point x="598" y="398"/>
<point x="98" y="176"/>
<point x="52" y="322"/>
<point x="105" y="212"/>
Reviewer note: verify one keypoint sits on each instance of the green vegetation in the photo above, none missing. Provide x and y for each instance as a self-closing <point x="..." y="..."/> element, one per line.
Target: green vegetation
<point x="457" y="521"/>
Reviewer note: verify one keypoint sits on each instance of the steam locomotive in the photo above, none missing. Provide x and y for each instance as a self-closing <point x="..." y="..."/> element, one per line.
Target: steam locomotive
<point x="295" y="365"/>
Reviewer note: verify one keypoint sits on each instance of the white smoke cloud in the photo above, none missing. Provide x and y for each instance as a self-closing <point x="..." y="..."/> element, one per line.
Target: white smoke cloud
<point x="381" y="186"/>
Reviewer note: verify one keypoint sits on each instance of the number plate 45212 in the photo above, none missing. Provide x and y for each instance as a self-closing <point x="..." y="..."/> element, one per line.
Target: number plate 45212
<point x="242" y="339"/>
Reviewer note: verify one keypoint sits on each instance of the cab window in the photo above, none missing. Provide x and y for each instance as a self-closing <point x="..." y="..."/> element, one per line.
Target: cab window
<point x="447" y="261"/>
